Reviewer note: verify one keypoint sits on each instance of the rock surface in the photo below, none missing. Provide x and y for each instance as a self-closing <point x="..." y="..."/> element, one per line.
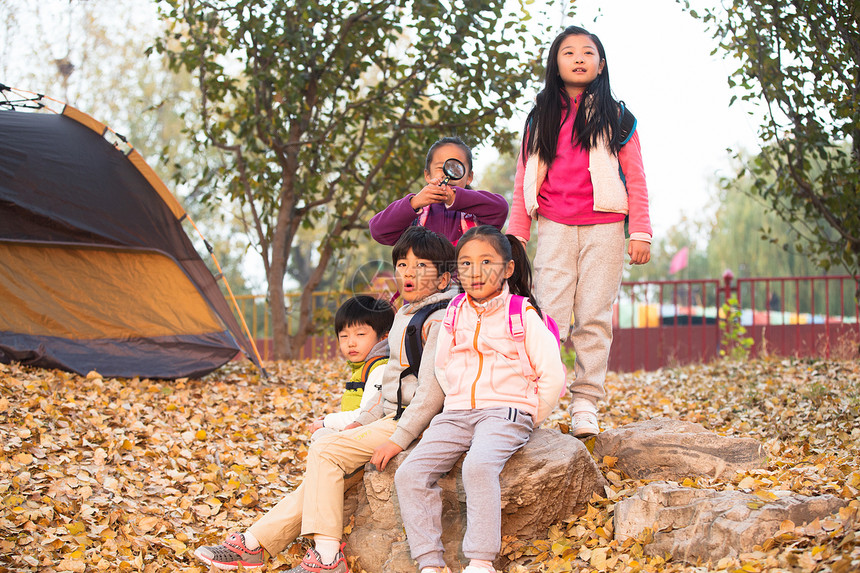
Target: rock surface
<point x="549" y="479"/>
<point x="672" y="450"/>
<point x="707" y="525"/>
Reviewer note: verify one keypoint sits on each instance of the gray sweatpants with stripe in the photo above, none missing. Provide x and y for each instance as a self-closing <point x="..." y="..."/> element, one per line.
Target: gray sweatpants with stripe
<point x="490" y="437"/>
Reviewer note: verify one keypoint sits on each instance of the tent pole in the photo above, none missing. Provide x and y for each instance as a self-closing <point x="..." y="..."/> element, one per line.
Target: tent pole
<point x="232" y="298"/>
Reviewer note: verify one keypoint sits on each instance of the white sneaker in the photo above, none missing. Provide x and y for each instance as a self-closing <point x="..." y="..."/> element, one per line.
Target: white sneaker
<point x="473" y="569"/>
<point x="584" y="425"/>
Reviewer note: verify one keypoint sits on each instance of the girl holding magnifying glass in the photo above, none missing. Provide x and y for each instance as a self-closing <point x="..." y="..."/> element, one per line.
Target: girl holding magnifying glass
<point x="446" y="204"/>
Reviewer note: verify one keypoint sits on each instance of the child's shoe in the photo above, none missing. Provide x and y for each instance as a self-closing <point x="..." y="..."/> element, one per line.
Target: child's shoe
<point x="475" y="569"/>
<point x="312" y="563"/>
<point x="584" y="425"/>
<point x="231" y="554"/>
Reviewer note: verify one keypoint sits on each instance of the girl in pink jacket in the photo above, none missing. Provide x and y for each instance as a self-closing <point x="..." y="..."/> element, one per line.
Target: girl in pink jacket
<point x="580" y="175"/>
<point x="491" y="401"/>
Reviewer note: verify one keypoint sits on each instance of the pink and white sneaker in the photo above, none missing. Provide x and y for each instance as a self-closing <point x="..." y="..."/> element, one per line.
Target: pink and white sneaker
<point x="231" y="554"/>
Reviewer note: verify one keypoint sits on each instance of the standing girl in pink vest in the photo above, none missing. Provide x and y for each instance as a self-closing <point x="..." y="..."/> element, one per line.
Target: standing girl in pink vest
<point x="493" y="397"/>
<point x="580" y="175"/>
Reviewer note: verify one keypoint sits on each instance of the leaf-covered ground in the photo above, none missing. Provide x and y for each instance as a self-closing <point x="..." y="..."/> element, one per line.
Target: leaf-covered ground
<point x="131" y="475"/>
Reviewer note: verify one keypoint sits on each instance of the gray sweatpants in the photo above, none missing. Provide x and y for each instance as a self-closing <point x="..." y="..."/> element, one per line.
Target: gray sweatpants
<point x="578" y="271"/>
<point x="490" y="437"/>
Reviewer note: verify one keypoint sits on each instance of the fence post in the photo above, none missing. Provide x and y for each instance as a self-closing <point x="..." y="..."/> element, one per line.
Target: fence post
<point x="728" y="277"/>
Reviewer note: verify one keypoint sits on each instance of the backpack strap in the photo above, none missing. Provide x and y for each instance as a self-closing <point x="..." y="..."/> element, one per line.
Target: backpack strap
<point x="450" y="320"/>
<point x="414" y="344"/>
<point x="467" y="221"/>
<point x="421" y="220"/>
<point x="517" y="328"/>
<point x="627" y="124"/>
<point x="368" y="366"/>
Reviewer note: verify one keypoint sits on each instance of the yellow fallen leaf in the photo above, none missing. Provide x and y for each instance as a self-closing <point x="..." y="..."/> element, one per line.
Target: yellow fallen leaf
<point x="177" y="546"/>
<point x="747" y="483"/>
<point x="598" y="558"/>
<point x="75" y="527"/>
<point x="75" y="565"/>
<point x="200" y="435"/>
<point x="813" y="527"/>
<point x="147" y="523"/>
<point x="764" y="494"/>
<point x="584" y="553"/>
<point x="203" y="510"/>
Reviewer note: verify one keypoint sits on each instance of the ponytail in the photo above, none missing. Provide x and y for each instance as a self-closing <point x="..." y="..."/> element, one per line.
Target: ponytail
<point x="521" y="281"/>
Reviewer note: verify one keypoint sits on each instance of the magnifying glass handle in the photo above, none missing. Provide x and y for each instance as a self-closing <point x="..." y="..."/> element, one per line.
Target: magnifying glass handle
<point x="444" y="182"/>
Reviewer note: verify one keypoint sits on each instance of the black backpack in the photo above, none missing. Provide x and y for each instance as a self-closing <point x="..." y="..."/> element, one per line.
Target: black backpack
<point x="627" y="125"/>
<point x="415" y="347"/>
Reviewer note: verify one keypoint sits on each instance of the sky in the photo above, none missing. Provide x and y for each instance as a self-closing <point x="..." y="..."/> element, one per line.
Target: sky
<point x="660" y="65"/>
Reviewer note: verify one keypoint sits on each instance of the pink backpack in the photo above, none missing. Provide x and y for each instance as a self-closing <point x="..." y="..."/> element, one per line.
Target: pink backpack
<point x="516" y="327"/>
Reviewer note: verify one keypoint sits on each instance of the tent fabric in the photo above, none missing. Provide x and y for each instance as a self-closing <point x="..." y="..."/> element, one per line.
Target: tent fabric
<point x="96" y="271"/>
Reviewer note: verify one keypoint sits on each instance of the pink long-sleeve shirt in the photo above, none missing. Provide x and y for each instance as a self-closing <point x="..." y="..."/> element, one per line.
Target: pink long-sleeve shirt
<point x="567" y="193"/>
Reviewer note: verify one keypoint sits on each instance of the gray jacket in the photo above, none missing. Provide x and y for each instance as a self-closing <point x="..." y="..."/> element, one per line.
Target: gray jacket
<point x="416" y="417"/>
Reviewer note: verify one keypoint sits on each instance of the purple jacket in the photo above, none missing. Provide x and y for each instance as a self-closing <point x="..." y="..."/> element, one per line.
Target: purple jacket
<point x="483" y="207"/>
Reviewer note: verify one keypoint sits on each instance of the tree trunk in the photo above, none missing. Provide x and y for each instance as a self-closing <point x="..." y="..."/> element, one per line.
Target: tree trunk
<point x="282" y="348"/>
<point x="282" y="343"/>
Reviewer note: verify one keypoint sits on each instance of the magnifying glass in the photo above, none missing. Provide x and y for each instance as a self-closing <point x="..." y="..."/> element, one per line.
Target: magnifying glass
<point x="453" y="169"/>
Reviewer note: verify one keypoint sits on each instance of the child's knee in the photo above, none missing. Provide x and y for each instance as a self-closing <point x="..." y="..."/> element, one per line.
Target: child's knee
<point x="404" y="475"/>
<point x="479" y="471"/>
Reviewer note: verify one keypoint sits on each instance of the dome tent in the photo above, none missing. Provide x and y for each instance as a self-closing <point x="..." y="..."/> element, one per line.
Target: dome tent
<point x="96" y="271"/>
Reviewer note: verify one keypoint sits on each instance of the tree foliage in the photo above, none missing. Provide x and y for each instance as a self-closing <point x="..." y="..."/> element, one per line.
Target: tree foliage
<point x="99" y="64"/>
<point x="325" y="109"/>
<point x="801" y="60"/>
<point x="742" y="234"/>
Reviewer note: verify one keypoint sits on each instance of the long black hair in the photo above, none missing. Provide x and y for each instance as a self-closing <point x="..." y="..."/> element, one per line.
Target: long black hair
<point x="597" y="114"/>
<point x="510" y="249"/>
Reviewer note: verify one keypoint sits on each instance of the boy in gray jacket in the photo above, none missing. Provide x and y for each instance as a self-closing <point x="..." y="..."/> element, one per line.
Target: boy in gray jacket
<point x="423" y="263"/>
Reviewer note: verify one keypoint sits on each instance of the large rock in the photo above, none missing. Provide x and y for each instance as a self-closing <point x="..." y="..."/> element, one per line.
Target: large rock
<point x="551" y="478"/>
<point x="707" y="525"/>
<point x="672" y="450"/>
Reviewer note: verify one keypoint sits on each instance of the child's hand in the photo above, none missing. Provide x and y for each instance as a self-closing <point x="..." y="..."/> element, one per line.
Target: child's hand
<point x="432" y="193"/>
<point x="639" y="251"/>
<point x="383" y="454"/>
<point x="318" y="423"/>
<point x="351" y="426"/>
